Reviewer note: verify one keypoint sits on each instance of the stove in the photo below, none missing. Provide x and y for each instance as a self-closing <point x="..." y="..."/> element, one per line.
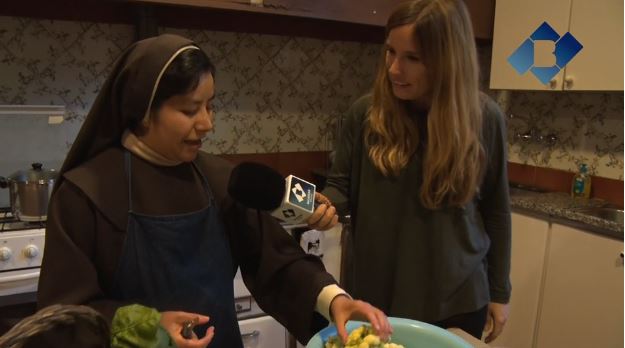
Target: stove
<point x="22" y="243"/>
<point x="9" y="223"/>
<point x="21" y="252"/>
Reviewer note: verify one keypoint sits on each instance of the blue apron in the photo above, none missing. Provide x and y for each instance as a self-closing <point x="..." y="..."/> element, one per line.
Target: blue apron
<point x="180" y="263"/>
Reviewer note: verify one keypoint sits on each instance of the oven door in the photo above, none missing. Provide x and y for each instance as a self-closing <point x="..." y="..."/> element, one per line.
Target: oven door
<point x="18" y="282"/>
<point x="18" y="296"/>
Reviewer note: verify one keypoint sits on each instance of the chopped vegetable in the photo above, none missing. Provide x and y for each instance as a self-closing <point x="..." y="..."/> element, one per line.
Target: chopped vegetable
<point x="362" y="337"/>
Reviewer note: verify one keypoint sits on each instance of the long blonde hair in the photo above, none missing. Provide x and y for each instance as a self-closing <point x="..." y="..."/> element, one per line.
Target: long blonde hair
<point x="453" y="156"/>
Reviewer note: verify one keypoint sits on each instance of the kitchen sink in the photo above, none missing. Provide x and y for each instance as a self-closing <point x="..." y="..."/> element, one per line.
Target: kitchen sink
<point x="605" y="213"/>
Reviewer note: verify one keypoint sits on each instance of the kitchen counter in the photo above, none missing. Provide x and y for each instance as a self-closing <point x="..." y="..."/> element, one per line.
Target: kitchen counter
<point x="561" y="208"/>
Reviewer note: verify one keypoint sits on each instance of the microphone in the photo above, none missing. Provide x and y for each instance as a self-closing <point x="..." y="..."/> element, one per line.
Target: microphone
<point x="257" y="186"/>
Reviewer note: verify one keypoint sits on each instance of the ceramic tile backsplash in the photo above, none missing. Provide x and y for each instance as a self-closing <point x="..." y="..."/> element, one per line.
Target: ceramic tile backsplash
<point x="282" y="93"/>
<point x="587" y="126"/>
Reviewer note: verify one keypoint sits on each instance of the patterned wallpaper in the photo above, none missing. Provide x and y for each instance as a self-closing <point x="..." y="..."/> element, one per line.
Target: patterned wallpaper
<point x="282" y="93"/>
<point x="274" y="93"/>
<point x="57" y="63"/>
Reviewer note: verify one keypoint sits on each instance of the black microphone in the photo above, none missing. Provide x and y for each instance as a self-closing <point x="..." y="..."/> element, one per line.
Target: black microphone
<point x="257" y="186"/>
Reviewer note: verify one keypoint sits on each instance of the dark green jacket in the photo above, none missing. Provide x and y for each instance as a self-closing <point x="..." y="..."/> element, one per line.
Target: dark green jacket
<point x="415" y="262"/>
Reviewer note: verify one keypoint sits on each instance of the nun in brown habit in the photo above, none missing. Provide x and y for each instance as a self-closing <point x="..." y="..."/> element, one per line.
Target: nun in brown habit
<point x="140" y="218"/>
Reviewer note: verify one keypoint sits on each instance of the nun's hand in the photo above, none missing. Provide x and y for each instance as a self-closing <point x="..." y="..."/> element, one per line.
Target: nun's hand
<point x="174" y="322"/>
<point x="344" y="308"/>
<point x="324" y="217"/>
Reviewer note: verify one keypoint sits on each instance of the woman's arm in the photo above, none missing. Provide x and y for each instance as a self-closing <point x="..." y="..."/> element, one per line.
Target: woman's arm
<point x="347" y="157"/>
<point x="495" y="209"/>
<point x="495" y="204"/>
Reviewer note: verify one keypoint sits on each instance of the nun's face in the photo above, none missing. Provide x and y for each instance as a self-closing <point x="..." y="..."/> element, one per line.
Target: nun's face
<point x="182" y="121"/>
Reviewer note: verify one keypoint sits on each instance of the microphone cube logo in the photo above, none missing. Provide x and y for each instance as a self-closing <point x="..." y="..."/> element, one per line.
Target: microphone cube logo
<point x="288" y="213"/>
<point x="298" y="202"/>
<point x="566" y="47"/>
<point x="301" y="193"/>
<point x="298" y="192"/>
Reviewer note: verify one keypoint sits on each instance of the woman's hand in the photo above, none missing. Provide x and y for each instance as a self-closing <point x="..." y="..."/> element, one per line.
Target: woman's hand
<point x="173" y="323"/>
<point x="497" y="317"/>
<point x="324" y="217"/>
<point x="344" y="308"/>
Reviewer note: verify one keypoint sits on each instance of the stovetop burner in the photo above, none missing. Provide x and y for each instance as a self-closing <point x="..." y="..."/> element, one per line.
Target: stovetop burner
<point x="8" y="222"/>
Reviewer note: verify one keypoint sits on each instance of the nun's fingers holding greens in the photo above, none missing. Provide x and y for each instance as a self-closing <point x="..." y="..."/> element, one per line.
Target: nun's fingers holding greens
<point x="324" y="217"/>
<point x="174" y="322"/>
<point x="344" y="308"/>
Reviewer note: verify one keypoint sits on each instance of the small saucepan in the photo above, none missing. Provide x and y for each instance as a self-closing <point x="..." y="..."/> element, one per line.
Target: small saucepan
<point x="30" y="191"/>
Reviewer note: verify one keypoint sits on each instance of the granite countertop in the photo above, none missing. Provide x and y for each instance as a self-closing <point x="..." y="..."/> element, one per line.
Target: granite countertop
<point x="562" y="208"/>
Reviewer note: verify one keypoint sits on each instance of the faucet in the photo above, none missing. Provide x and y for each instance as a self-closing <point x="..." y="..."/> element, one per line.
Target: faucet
<point x="533" y="135"/>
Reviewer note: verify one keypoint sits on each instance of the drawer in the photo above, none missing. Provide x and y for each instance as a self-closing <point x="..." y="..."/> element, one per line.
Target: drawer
<point x="263" y="332"/>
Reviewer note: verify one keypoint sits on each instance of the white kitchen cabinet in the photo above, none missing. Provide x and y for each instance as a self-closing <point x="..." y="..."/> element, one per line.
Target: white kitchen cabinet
<point x="263" y="332"/>
<point x="582" y="300"/>
<point x="597" y="25"/>
<point x="529" y="247"/>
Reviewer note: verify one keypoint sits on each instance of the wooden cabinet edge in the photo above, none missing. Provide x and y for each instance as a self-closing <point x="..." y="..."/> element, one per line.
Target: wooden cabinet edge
<point x="242" y="6"/>
<point x="482" y="15"/>
<point x="483" y="18"/>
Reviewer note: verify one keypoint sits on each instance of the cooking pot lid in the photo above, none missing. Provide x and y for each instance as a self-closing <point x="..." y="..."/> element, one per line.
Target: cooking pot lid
<point x="36" y="173"/>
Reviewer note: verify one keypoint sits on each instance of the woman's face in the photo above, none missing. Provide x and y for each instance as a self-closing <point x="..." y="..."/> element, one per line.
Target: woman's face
<point x="179" y="125"/>
<point x="406" y="71"/>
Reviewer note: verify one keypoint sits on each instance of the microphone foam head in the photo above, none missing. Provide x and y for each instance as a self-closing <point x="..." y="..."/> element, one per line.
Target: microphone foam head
<point x="256" y="186"/>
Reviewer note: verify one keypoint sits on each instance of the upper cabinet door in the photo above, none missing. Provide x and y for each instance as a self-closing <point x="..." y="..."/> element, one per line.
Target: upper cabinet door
<point x="598" y="25"/>
<point x="515" y="21"/>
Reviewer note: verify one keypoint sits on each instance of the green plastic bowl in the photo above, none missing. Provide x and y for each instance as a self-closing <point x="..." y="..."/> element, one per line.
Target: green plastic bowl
<point x="409" y="333"/>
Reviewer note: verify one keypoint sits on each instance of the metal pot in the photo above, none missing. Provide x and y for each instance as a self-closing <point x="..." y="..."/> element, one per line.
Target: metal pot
<point x="30" y="192"/>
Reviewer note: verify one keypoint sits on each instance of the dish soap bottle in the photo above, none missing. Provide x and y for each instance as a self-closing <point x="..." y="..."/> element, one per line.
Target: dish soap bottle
<point x="581" y="183"/>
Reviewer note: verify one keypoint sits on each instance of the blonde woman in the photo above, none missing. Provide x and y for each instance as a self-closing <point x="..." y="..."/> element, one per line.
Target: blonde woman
<point x="421" y="168"/>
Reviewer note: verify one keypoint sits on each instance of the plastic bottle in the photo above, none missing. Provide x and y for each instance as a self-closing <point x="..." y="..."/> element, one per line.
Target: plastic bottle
<point x="581" y="183"/>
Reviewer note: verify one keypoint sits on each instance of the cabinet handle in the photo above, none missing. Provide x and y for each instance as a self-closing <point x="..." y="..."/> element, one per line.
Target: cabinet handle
<point x="19" y="277"/>
<point x="252" y="334"/>
<point x="568" y="82"/>
<point x="553" y="83"/>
